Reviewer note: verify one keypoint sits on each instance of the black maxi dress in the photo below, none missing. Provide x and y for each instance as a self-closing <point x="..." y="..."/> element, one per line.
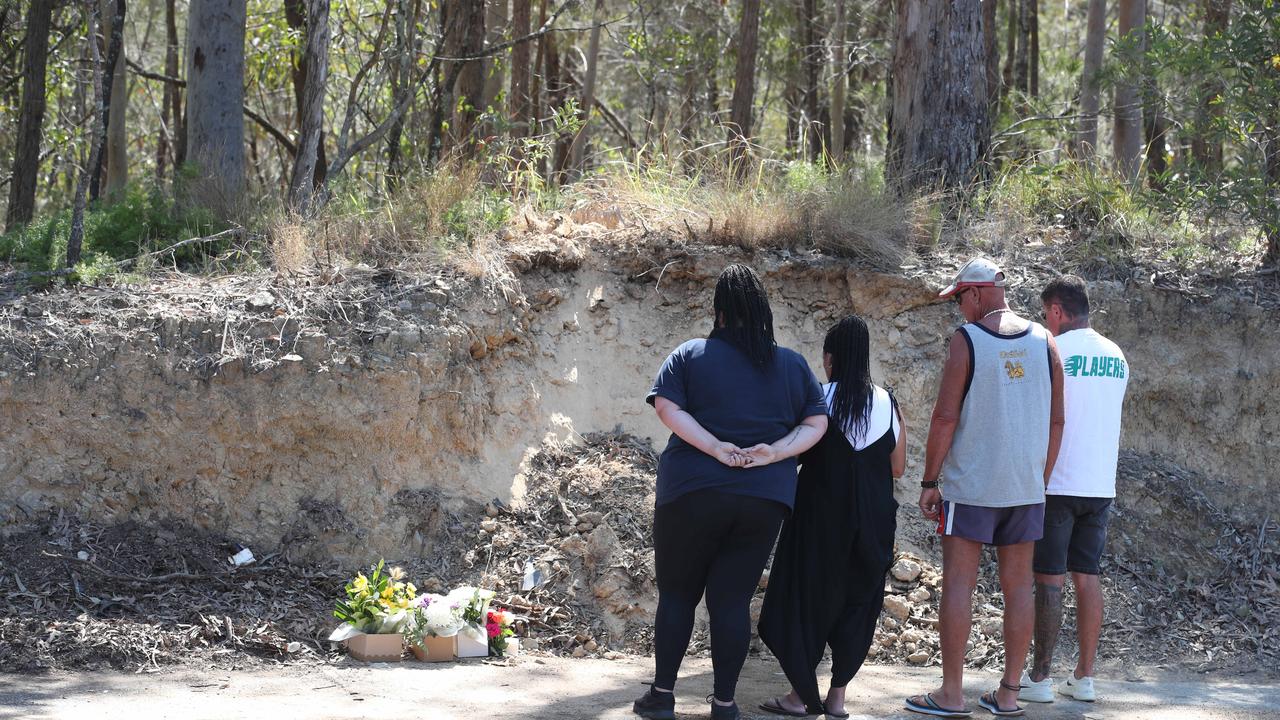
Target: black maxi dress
<point x="827" y="582"/>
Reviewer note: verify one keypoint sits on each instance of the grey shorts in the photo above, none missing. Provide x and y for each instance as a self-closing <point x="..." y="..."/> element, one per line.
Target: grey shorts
<point x="992" y="526"/>
<point x="1075" y="532"/>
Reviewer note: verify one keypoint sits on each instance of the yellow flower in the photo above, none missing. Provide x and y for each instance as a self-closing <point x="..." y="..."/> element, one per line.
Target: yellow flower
<point x="411" y="590"/>
<point x="360" y="584"/>
<point x="387" y="592"/>
<point x="1275" y="61"/>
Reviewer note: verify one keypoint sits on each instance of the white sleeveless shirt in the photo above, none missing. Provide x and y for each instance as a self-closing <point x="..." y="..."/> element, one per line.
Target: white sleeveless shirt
<point x="880" y="416"/>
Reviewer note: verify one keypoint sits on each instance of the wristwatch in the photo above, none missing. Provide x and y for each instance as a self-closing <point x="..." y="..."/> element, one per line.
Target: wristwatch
<point x="928" y="484"/>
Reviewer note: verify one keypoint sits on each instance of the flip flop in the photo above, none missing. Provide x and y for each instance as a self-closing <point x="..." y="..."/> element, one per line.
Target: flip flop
<point x="988" y="701"/>
<point x="774" y="705"/>
<point x="931" y="707"/>
<point x="830" y="714"/>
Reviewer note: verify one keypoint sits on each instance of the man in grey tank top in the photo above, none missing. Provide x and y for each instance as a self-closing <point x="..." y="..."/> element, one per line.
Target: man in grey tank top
<point x="993" y="440"/>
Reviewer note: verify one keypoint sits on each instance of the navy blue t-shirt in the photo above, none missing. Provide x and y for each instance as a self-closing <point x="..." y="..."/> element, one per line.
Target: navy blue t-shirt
<point x="737" y="402"/>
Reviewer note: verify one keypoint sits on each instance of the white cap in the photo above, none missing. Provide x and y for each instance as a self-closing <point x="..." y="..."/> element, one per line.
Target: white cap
<point x="978" y="272"/>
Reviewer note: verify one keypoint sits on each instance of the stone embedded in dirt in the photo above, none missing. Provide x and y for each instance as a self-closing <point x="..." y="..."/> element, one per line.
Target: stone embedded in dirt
<point x="489" y="526"/>
<point x="591" y="646"/>
<point x="919" y="595"/>
<point x="601" y="544"/>
<point x="579" y="652"/>
<point x="573" y="546"/>
<point x="906" y="570"/>
<point x="991" y="627"/>
<point x="613" y="655"/>
<point x="918" y="657"/>
<point x="261" y="300"/>
<point x="897" y="607"/>
<point x="491" y="510"/>
<point x="592" y="516"/>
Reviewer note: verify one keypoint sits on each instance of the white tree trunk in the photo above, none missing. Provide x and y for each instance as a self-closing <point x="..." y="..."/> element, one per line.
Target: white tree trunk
<point x="215" y="99"/>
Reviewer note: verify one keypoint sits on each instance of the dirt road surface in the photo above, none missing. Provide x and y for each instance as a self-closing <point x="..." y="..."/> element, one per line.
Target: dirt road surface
<point x="559" y="688"/>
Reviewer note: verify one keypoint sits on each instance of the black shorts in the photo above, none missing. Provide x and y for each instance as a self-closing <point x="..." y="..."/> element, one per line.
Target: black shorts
<point x="1075" y="531"/>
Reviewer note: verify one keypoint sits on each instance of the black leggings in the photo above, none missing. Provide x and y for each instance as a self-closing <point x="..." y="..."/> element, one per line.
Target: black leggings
<point x="717" y="542"/>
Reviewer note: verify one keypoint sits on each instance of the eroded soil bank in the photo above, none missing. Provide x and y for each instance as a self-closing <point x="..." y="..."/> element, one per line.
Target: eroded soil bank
<point x="330" y="415"/>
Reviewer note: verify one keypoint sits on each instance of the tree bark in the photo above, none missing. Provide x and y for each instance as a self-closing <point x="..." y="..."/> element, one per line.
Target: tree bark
<point x="495" y="24"/>
<point x="839" y="65"/>
<point x="303" y="186"/>
<point x="75" y="240"/>
<point x="401" y="79"/>
<point x="1154" y="125"/>
<point x="297" y="14"/>
<point x="811" y="62"/>
<point x="1208" y="152"/>
<point x="1010" y="47"/>
<point x="1086" y="144"/>
<point x="992" y="48"/>
<point x="26" y="158"/>
<point x="519" y="103"/>
<point x="215" y="99"/>
<point x="1127" y="130"/>
<point x="1022" y="51"/>
<point x="117" y="151"/>
<point x="112" y="14"/>
<point x="466" y="37"/>
<point x="1033" y="51"/>
<point x="744" y="84"/>
<point x="939" y="127"/>
<point x="170" y="105"/>
<point x="577" y="151"/>
<point x="1271" y="159"/>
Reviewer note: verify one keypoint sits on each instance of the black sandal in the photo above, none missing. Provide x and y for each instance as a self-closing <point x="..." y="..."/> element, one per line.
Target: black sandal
<point x="774" y="706"/>
<point x="990" y="704"/>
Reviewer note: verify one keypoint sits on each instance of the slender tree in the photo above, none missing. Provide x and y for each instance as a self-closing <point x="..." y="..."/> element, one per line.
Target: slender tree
<point x="1086" y="143"/>
<point x="215" y="98"/>
<point x="75" y="240"/>
<point x="811" y="73"/>
<point x="839" y="70"/>
<point x="495" y="24"/>
<point x="992" y="48"/>
<point x="298" y="14"/>
<point x="577" y="150"/>
<point x="172" y="136"/>
<point x="1206" y="151"/>
<point x="116" y="157"/>
<point x="26" y="160"/>
<point x="939" y="127"/>
<point x="1127" y="129"/>
<point x="519" y="102"/>
<point x="744" y="83"/>
<point x="302" y="186"/>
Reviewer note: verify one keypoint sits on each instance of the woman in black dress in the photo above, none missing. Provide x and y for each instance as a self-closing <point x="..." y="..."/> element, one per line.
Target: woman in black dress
<point x="740" y="409"/>
<point x="827" y="583"/>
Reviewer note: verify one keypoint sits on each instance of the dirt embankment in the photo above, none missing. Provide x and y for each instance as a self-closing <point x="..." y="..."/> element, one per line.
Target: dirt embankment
<point x="333" y="418"/>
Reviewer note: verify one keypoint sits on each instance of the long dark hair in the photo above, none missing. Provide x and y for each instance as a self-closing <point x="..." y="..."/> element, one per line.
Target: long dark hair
<point x="849" y="345"/>
<point x="743" y="316"/>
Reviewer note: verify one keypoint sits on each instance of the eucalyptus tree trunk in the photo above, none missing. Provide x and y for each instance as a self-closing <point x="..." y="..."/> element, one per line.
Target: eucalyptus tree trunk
<point x="577" y="151"/>
<point x="215" y="99"/>
<point x="117" y="99"/>
<point x="744" y="84"/>
<point x="1127" y="130"/>
<point x="303" y="185"/>
<point x="26" y="158"/>
<point x="839" y="66"/>
<point x="939" y="125"/>
<point x="519" y="104"/>
<point x="1086" y="144"/>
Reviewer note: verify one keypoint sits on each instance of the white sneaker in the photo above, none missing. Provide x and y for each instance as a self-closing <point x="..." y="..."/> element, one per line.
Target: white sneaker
<point x="1078" y="688"/>
<point x="1038" y="692"/>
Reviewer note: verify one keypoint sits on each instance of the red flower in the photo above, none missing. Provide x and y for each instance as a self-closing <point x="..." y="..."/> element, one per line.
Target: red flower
<point x="494" y="629"/>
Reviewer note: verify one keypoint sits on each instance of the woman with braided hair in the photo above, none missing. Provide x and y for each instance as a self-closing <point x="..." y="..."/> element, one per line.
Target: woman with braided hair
<point x="827" y="582"/>
<point x="740" y="410"/>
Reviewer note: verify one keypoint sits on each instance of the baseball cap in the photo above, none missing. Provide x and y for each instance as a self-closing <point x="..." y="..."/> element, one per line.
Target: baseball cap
<point x="978" y="272"/>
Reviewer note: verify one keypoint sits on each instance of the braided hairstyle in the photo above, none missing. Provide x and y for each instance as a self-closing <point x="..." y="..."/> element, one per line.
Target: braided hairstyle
<point x="849" y="345"/>
<point x="743" y="314"/>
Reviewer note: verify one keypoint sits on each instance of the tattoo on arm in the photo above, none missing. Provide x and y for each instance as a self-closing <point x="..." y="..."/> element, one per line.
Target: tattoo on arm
<point x="1048" y="625"/>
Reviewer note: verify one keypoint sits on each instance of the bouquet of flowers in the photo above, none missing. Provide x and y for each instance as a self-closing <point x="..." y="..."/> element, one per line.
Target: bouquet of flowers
<point x="498" y="627"/>
<point x="378" y="603"/>
<point x="474" y="602"/>
<point x="433" y="616"/>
